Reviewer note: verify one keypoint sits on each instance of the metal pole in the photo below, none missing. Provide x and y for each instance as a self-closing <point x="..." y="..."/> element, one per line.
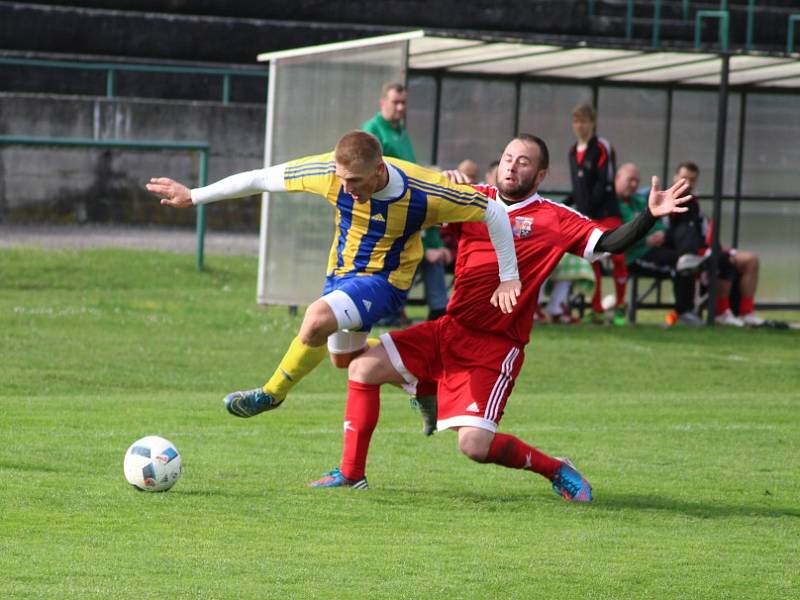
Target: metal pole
<point x="739" y="166"/>
<point x="437" y="112"/>
<point x="517" y="103"/>
<point x="201" y="212"/>
<point x="667" y="140"/>
<point x="719" y="165"/>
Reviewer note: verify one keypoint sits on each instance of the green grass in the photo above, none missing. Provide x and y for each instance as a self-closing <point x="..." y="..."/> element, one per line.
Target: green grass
<point x="689" y="437"/>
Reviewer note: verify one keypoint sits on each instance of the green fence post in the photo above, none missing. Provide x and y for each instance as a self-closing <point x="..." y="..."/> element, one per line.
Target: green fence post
<point x="629" y="21"/>
<point x="110" y="83"/>
<point x="590" y="8"/>
<point x="685" y="10"/>
<point x="751" y="6"/>
<point x="226" y="89"/>
<point x="201" y="212"/>
<point x="793" y="19"/>
<point x="656" y="24"/>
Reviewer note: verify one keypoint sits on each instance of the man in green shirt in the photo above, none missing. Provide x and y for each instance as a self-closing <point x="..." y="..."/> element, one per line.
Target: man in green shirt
<point x="650" y="256"/>
<point x="389" y="124"/>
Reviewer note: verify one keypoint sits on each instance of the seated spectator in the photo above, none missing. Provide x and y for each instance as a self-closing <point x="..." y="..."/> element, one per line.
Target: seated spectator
<point x="490" y="178"/>
<point x="689" y="233"/>
<point x="572" y="275"/>
<point x="650" y="255"/>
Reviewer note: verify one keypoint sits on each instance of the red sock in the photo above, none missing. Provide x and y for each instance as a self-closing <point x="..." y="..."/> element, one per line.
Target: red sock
<point x="360" y="417"/>
<point x="723" y="304"/>
<point x="620" y="277"/>
<point x="511" y="452"/>
<point x="597" y="301"/>
<point x="745" y="306"/>
<point x="426" y="388"/>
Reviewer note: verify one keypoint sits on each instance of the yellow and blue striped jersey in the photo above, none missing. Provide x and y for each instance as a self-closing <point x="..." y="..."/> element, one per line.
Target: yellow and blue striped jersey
<point x="382" y="237"/>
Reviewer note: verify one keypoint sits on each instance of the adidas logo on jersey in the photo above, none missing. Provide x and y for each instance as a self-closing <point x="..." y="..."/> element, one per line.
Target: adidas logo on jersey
<point x="378" y="217"/>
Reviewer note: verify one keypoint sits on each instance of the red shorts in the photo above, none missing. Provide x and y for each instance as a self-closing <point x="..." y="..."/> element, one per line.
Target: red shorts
<point x="475" y="371"/>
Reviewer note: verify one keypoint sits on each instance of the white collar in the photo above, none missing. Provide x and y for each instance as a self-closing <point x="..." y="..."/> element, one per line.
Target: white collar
<point x="395" y="188"/>
<point x="516" y="205"/>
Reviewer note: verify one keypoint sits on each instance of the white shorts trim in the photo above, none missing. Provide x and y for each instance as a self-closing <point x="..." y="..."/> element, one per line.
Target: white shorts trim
<point x="501" y="385"/>
<point x="466" y="421"/>
<point x="397" y="361"/>
<point x="345" y="342"/>
<point x="345" y="310"/>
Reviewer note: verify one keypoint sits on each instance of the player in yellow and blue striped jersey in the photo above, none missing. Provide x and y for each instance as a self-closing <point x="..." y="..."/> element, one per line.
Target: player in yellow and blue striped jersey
<point x="381" y="205"/>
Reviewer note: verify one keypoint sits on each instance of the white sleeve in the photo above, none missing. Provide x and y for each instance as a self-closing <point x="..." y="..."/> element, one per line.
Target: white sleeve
<point x="248" y="183"/>
<point x="499" y="226"/>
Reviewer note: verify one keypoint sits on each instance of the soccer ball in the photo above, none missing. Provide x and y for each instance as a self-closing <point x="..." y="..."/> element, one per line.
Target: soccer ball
<point x="152" y="464"/>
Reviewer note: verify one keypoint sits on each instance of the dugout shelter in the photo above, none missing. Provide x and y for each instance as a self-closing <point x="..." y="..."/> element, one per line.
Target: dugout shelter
<point x="735" y="113"/>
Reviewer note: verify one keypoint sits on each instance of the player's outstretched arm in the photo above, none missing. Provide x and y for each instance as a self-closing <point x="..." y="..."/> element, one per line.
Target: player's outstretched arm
<point x="666" y="202"/>
<point x="171" y="192"/>
<point x="243" y="184"/>
<point x="506" y="294"/>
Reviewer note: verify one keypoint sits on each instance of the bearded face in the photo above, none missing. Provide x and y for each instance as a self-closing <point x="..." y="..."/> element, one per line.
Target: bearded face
<point x="518" y="174"/>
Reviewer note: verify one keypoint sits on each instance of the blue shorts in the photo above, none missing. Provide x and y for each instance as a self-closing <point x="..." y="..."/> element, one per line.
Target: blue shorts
<point x="374" y="296"/>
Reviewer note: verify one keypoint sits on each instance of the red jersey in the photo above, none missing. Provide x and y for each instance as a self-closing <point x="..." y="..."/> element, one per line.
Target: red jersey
<point x="543" y="232"/>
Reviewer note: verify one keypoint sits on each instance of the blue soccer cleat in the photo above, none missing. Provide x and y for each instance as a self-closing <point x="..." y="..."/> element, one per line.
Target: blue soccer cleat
<point x="570" y="485"/>
<point x="336" y="479"/>
<point x="250" y="403"/>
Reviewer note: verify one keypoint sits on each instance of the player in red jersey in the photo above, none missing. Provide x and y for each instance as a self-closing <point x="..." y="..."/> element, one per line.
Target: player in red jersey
<point x="476" y="354"/>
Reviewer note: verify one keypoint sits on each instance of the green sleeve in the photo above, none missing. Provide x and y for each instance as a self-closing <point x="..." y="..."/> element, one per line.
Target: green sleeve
<point x="431" y="238"/>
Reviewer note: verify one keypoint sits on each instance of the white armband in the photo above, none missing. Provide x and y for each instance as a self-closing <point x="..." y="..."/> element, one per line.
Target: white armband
<point x="269" y="179"/>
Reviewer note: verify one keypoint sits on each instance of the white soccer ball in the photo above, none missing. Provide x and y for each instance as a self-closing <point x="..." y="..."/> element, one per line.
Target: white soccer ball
<point x="152" y="464"/>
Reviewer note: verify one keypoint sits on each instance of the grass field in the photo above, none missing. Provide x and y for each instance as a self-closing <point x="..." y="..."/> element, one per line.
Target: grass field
<point x="690" y="439"/>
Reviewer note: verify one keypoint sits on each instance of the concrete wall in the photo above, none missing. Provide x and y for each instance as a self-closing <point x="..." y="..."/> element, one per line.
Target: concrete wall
<point x="68" y="185"/>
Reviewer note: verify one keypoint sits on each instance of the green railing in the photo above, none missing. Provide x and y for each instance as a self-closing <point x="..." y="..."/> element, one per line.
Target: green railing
<point x="685" y="11"/>
<point x="724" y="26"/>
<point x="201" y="147"/>
<point x="112" y="69"/>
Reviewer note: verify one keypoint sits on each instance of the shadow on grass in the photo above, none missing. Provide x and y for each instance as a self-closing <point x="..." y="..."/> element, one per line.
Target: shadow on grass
<point x="606" y="502"/>
<point x="702" y="509"/>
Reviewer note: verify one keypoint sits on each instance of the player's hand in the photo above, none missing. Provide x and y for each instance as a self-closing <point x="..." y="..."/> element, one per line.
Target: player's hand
<point x="456" y="176"/>
<point x="506" y="294"/>
<point x="171" y="192"/>
<point x="662" y="203"/>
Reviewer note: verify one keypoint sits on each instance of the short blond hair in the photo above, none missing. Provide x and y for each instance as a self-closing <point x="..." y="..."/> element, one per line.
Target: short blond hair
<point x="358" y="147"/>
<point x="584" y="112"/>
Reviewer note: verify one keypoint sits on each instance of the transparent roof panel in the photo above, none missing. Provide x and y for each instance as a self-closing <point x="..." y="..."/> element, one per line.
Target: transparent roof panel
<point x="546" y="57"/>
<point x="435" y="44"/>
<point x="472" y="54"/>
<point x="702" y="65"/>
<point x="637" y="61"/>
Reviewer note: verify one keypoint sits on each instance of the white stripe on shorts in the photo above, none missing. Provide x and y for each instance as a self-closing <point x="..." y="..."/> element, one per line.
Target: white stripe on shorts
<point x="500" y="386"/>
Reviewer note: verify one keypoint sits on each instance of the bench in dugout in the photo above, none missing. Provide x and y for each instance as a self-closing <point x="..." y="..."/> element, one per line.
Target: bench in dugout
<point x="646" y="289"/>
